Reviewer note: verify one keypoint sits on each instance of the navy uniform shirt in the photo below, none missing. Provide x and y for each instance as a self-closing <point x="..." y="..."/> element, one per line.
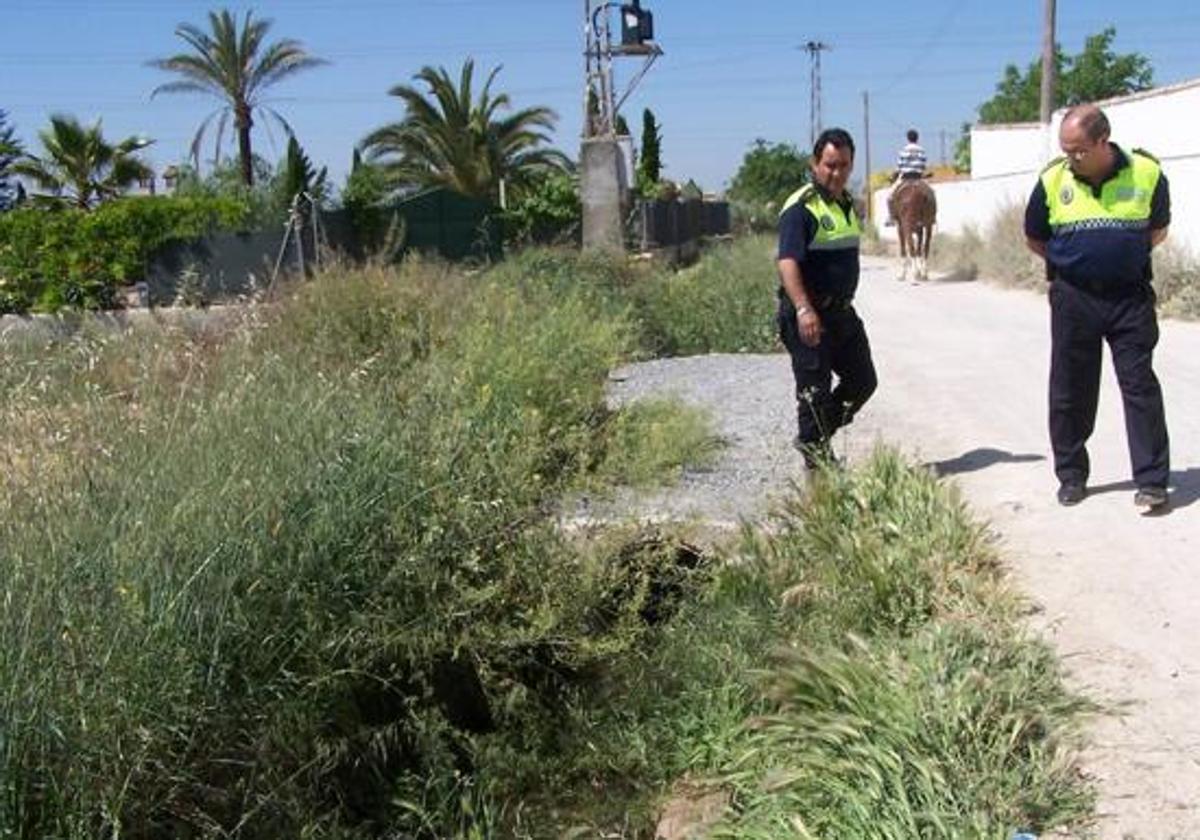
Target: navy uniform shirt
<point x="1106" y="261"/>
<point x="829" y="276"/>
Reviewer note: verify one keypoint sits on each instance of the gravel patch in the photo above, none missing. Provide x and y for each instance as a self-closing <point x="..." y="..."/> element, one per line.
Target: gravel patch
<point x="749" y="398"/>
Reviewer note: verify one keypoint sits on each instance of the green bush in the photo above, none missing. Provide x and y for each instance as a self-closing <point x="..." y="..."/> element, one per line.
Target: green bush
<point x="725" y="303"/>
<point x="363" y="199"/>
<point x="54" y="259"/>
<point x="548" y="212"/>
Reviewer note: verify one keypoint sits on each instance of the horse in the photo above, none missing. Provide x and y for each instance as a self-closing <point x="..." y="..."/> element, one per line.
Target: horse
<point x="915" y="211"/>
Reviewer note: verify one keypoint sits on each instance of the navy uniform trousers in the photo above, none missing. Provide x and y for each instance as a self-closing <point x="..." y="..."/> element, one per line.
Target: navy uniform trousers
<point x="1079" y="322"/>
<point x="843" y="350"/>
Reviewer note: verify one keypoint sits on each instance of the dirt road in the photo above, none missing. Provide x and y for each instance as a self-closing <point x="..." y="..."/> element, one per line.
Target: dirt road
<point x="963" y="372"/>
<point x="964" y="368"/>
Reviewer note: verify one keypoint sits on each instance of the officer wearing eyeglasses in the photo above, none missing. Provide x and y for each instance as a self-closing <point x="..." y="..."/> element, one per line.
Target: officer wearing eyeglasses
<point x="1094" y="216"/>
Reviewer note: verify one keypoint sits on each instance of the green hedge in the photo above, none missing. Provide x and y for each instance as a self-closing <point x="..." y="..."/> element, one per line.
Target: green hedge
<point x="71" y="258"/>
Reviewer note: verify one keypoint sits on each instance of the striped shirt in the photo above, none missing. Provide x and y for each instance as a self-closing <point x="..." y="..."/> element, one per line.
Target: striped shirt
<point x="911" y="160"/>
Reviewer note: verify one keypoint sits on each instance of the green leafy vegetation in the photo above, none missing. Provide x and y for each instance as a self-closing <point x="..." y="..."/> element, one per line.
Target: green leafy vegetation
<point x="78" y="259"/>
<point x="769" y="173"/>
<point x="649" y="165"/>
<point x="725" y="303"/>
<point x="299" y="575"/>
<point x="301" y="563"/>
<point x="1093" y="74"/>
<point x="297" y="176"/>
<point x="548" y="211"/>
<point x="903" y="702"/>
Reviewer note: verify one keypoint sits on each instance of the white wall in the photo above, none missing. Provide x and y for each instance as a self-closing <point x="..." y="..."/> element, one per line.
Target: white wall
<point x="1006" y="149"/>
<point x="1006" y="160"/>
<point x="961" y="204"/>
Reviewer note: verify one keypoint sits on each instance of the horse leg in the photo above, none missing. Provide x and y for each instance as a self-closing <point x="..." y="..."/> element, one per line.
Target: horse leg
<point x="922" y="249"/>
<point x="902" y="228"/>
<point x="925" y="248"/>
<point x="916" y="252"/>
<point x="929" y="241"/>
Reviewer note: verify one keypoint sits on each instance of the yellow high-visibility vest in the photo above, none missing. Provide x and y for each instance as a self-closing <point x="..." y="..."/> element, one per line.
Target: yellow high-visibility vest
<point x="1124" y="201"/>
<point x="837" y="229"/>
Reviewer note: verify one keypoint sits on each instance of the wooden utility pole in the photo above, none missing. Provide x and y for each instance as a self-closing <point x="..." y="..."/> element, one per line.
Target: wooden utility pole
<point x="867" y="152"/>
<point x="1048" y="68"/>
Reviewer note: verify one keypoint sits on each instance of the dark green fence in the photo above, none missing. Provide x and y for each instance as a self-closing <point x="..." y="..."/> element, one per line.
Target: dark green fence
<point x="226" y="265"/>
<point x="453" y="225"/>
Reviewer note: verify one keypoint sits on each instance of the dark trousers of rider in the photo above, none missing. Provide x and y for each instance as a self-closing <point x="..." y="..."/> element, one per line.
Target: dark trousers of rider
<point x="843" y="351"/>
<point x="1079" y="323"/>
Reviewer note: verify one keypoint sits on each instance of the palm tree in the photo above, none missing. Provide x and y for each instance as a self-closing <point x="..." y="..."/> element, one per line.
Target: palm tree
<point x="446" y="139"/>
<point x="80" y="167"/>
<point x="10" y="150"/>
<point x="236" y="67"/>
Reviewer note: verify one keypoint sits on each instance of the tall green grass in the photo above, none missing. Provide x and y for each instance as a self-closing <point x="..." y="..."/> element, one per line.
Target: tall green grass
<point x="854" y="671"/>
<point x="725" y="303"/>
<point x="253" y="586"/>
<point x="301" y="578"/>
<point x="904" y="701"/>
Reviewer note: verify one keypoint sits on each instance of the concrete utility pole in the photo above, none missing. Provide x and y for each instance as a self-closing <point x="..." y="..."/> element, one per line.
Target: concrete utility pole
<point x="604" y="184"/>
<point x="1048" y="68"/>
<point x="814" y="50"/>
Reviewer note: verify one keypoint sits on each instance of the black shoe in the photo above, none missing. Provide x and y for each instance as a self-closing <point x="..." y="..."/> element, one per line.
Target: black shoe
<point x="1071" y="493"/>
<point x="1150" y="497"/>
<point x="816" y="454"/>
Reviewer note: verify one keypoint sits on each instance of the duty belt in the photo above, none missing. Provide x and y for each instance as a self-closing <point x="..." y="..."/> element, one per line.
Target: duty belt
<point x="832" y="303"/>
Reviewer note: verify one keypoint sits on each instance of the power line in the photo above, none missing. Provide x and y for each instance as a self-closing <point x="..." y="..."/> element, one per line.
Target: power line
<point x="814" y="50"/>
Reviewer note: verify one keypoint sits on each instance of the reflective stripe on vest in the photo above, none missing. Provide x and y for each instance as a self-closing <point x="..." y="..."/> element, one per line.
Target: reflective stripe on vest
<point x="837" y="229"/>
<point x="1124" y="201"/>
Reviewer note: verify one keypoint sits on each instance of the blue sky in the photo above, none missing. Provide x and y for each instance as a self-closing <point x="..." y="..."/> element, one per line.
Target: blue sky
<point x="733" y="70"/>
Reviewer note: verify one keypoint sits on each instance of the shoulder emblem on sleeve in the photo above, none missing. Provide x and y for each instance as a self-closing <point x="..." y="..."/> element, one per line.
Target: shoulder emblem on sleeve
<point x="798" y="197"/>
<point x="1058" y="160"/>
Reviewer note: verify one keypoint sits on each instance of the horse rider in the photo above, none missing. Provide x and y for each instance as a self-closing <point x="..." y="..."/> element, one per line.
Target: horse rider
<point x="1094" y="216"/>
<point x="910" y="166"/>
<point x="819" y="231"/>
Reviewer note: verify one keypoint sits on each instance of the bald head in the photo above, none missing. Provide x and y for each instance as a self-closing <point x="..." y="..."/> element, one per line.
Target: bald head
<point x="1090" y="120"/>
<point x="1083" y="138"/>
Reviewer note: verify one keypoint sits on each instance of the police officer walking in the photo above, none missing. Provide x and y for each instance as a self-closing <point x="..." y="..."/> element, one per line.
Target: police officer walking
<point x="1094" y="216"/>
<point x="819" y="233"/>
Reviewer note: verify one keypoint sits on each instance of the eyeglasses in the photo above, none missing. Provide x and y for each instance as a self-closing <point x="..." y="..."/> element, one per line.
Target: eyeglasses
<point x="1078" y="155"/>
